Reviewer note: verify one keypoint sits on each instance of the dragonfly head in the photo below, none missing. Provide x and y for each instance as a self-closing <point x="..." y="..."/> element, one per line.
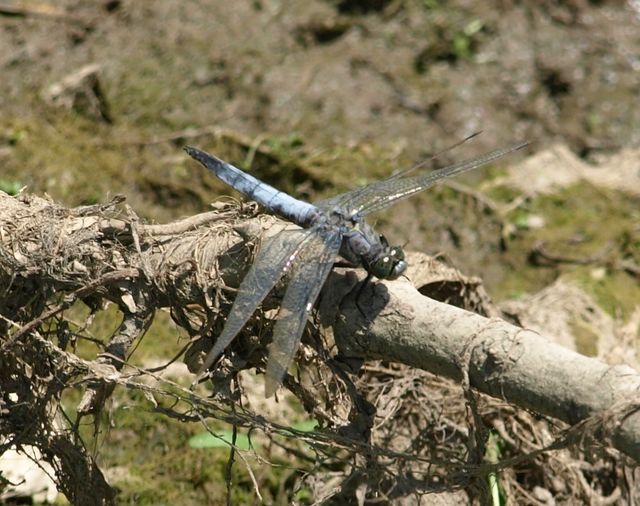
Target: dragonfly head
<point x="390" y="264"/>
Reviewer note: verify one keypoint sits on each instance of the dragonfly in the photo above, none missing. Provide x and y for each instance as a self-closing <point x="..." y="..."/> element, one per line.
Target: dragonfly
<point x="329" y="229"/>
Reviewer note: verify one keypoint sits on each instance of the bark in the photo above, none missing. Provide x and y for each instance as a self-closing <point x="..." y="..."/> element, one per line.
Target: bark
<point x="500" y="359"/>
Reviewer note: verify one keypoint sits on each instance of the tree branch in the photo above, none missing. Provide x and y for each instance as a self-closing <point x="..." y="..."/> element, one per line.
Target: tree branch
<point x="504" y="361"/>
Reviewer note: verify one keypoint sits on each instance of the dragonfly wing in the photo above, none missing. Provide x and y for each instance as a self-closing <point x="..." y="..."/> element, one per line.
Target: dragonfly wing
<point x="355" y="196"/>
<point x="369" y="199"/>
<point x="273" y="260"/>
<point x="309" y="275"/>
<point x="392" y="190"/>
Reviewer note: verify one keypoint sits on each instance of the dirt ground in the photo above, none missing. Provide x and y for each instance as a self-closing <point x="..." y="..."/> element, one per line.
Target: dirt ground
<point x="407" y="77"/>
<point x="319" y="96"/>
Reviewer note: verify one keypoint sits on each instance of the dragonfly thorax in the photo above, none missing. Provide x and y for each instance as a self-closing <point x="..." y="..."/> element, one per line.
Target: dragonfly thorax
<point x="363" y="246"/>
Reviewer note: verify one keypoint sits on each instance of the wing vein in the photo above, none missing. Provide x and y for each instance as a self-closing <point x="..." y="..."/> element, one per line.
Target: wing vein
<point x="270" y="264"/>
<point x="308" y="279"/>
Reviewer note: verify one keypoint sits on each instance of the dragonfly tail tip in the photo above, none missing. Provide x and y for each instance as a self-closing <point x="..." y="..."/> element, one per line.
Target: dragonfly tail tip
<point x="190" y="150"/>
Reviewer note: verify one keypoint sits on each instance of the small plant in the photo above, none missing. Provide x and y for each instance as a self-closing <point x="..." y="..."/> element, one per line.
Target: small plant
<point x="10" y="187"/>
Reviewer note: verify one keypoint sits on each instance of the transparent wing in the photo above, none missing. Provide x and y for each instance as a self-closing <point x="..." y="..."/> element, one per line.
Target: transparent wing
<point x="309" y="276"/>
<point x="354" y="195"/>
<point x="402" y="188"/>
<point x="273" y="260"/>
<point x="379" y="195"/>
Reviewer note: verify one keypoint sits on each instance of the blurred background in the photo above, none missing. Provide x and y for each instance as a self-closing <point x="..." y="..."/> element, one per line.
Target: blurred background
<point x="318" y="96"/>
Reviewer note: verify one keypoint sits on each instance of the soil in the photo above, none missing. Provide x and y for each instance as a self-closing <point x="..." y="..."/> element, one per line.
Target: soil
<point x="407" y="76"/>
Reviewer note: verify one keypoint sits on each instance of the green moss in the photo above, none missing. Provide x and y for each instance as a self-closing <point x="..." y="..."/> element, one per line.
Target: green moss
<point x="150" y="455"/>
<point x="586" y="339"/>
<point x="500" y="193"/>
<point x="583" y="223"/>
<point x="64" y="159"/>
<point x="616" y="292"/>
<point x="159" y="462"/>
<point x="163" y="339"/>
<point x="351" y="166"/>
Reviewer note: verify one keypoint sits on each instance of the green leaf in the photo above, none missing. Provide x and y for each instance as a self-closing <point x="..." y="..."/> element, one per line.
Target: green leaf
<point x="220" y="439"/>
<point x="10" y="187"/>
<point x="306" y="425"/>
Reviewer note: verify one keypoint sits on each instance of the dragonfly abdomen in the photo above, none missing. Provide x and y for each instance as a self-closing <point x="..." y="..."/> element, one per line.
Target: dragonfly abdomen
<point x="266" y="195"/>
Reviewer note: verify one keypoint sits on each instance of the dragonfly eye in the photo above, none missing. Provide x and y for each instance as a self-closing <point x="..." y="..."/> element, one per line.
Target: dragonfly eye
<point x="389" y="266"/>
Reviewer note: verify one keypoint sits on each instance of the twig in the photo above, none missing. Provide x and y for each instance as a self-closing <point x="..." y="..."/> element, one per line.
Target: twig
<point x="629" y="267"/>
<point x="68" y="301"/>
<point x="42" y="11"/>
<point x="182" y="226"/>
<point x="538" y="252"/>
